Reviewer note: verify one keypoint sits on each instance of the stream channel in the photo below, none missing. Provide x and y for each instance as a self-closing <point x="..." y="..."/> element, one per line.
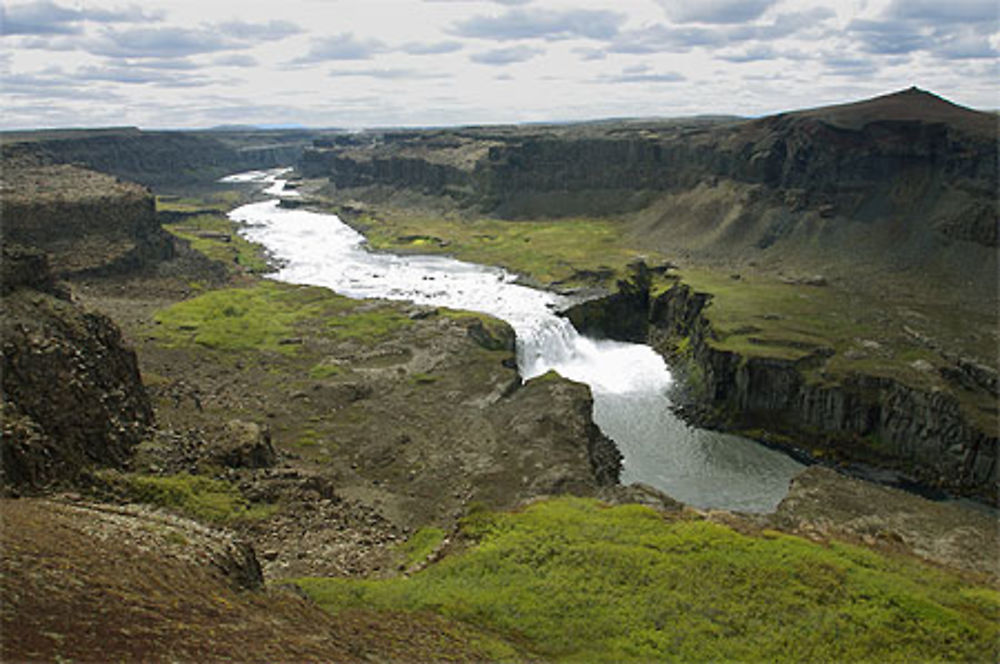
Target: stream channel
<point x="629" y="382"/>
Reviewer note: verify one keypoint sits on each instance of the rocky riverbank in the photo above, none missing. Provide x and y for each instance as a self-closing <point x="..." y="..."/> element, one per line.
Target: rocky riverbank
<point x="800" y="401"/>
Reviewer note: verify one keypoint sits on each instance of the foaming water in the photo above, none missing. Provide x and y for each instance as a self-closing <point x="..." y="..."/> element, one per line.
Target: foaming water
<point x="629" y="381"/>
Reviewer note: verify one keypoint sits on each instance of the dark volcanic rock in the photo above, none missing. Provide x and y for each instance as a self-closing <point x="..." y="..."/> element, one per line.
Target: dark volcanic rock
<point x="72" y="395"/>
<point x="88" y="222"/>
<point x="623" y="315"/>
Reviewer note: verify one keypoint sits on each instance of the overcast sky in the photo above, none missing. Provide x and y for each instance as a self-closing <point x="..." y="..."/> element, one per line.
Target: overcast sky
<point x="356" y="63"/>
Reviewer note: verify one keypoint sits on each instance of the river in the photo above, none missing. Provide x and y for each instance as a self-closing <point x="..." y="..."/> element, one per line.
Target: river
<point x="629" y="382"/>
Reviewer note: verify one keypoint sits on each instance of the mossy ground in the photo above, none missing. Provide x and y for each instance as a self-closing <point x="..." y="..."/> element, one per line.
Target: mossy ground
<point x="579" y="581"/>
<point x="563" y="251"/>
<point x="214" y="235"/>
<point x="195" y="496"/>
<point x="220" y="201"/>
<point x="268" y="316"/>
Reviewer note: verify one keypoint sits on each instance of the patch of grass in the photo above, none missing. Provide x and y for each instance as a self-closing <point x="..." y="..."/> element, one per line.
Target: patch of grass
<point x="421" y="544"/>
<point x="192" y="495"/>
<point x="553" y="251"/>
<point x="215" y="236"/>
<point x="325" y="369"/>
<point x="217" y="201"/>
<point x="579" y="581"/>
<point x="421" y="378"/>
<point x="271" y="316"/>
<point x="308" y="438"/>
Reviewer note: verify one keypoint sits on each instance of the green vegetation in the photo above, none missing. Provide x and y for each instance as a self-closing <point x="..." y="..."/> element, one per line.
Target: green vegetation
<point x="269" y="316"/>
<point x="421" y="544"/>
<point x="578" y="581"/>
<point x="324" y="369"/>
<point x="192" y="495"/>
<point x="554" y="251"/>
<point x="216" y="201"/>
<point x="215" y="236"/>
<point x="421" y="378"/>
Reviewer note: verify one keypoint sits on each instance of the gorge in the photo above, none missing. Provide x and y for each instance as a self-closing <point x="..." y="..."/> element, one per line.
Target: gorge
<point x="326" y="421"/>
<point x="628" y="381"/>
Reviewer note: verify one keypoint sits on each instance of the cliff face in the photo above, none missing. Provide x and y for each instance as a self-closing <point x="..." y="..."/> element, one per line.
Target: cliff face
<point x="86" y="221"/>
<point x="160" y="158"/>
<point x="906" y="181"/>
<point x="861" y="418"/>
<point x="72" y="395"/>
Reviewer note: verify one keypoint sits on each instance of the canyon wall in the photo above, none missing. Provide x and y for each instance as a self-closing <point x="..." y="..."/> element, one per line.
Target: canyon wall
<point x="162" y="159"/>
<point x="87" y="222"/>
<point x="856" y="418"/>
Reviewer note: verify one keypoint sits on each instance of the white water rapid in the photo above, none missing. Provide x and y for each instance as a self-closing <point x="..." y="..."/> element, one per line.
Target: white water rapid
<point x="628" y="381"/>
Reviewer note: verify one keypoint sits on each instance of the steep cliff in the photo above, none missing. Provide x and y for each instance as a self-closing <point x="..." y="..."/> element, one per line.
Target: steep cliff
<point x="86" y="221"/>
<point x="853" y="417"/>
<point x="72" y="395"/>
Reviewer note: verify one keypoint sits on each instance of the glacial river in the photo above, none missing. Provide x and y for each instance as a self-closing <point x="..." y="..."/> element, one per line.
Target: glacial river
<point x="629" y="382"/>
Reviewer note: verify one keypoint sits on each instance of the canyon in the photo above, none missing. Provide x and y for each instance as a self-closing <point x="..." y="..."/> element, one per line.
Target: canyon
<point x="822" y="281"/>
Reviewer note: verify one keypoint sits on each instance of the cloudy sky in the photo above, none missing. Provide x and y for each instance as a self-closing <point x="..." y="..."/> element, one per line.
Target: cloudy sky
<point x="356" y="63"/>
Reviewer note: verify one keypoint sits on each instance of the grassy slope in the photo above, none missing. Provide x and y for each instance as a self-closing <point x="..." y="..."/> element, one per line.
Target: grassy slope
<point x="75" y="589"/>
<point x="552" y="251"/>
<point x="266" y="316"/>
<point x="578" y="581"/>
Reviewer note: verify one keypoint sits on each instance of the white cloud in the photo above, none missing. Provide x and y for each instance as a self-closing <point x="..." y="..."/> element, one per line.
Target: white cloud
<point x="356" y="62"/>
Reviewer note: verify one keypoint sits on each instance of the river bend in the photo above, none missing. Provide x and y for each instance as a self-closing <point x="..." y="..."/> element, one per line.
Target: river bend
<point x="629" y="382"/>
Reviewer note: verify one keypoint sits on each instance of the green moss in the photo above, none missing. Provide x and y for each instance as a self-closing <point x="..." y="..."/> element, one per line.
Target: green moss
<point x="217" y="201"/>
<point x="421" y="544"/>
<point x="582" y="582"/>
<point x="193" y="495"/>
<point x="175" y="538"/>
<point x="548" y="251"/>
<point x="421" y="378"/>
<point x="271" y="316"/>
<point x="324" y="370"/>
<point x="205" y="232"/>
<point x="308" y="438"/>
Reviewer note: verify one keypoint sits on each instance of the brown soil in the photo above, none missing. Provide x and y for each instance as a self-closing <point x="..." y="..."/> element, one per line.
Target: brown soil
<point x="80" y="585"/>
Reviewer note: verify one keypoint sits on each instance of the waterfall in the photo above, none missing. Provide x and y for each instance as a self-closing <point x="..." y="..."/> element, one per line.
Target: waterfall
<point x="629" y="382"/>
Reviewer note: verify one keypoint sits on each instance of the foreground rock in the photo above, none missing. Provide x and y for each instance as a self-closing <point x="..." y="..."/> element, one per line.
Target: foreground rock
<point x="72" y="395"/>
<point x="823" y="502"/>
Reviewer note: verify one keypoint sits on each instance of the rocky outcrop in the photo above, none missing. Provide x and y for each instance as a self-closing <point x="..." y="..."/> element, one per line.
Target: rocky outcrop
<point x="623" y="315"/>
<point x="822" y="503"/>
<point x="857" y="418"/>
<point x="87" y="222"/>
<point x="349" y="171"/>
<point x="72" y="395"/>
<point x="242" y="444"/>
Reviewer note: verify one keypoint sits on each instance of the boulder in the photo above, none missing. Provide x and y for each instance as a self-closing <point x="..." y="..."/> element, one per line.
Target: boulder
<point x="242" y="444"/>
